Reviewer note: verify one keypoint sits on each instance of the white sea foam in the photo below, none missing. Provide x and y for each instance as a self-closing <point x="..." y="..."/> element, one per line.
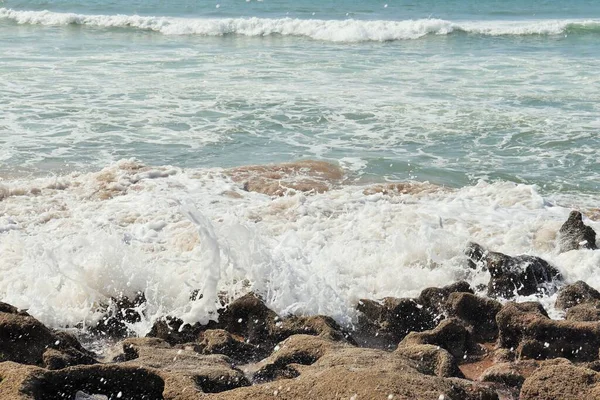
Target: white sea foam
<point x="66" y="248"/>
<point x="327" y="30"/>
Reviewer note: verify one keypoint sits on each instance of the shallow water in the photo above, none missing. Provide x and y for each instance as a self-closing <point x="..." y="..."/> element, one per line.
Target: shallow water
<point x="497" y="102"/>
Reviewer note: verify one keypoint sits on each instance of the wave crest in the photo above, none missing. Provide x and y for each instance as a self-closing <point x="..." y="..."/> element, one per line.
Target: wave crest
<point x="326" y="30"/>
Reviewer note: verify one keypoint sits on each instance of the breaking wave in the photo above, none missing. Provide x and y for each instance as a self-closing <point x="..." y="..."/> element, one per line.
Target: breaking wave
<point x="326" y="30"/>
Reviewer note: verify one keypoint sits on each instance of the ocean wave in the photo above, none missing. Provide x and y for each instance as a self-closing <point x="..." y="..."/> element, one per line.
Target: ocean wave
<point x="326" y="30"/>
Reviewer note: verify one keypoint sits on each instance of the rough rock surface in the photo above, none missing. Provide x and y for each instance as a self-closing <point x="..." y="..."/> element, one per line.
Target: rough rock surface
<point x="575" y="293"/>
<point x="522" y="275"/>
<point x="25" y="340"/>
<point x="574" y="234"/>
<point x="385" y="324"/>
<point x="432" y="360"/>
<point x="561" y="381"/>
<point x="451" y="335"/>
<point x="477" y="312"/>
<point x="434" y="298"/>
<point x="526" y="328"/>
<point x="589" y="311"/>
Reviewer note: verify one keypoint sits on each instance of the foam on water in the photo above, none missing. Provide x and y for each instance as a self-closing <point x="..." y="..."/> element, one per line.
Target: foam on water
<point x="327" y="30"/>
<point x="69" y="243"/>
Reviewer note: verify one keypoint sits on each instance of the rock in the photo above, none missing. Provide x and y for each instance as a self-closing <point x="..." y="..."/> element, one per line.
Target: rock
<point x="435" y="298"/>
<point x="535" y="336"/>
<point x="25" y="340"/>
<point x="318" y="325"/>
<point x="173" y="330"/>
<point x="574" y="234"/>
<point x="511" y="374"/>
<point x="576" y="293"/>
<point x="182" y="367"/>
<point x="113" y="381"/>
<point x="451" y="334"/>
<point x="118" y="313"/>
<point x="219" y="341"/>
<point x="385" y="324"/>
<point x="589" y="311"/>
<point x="562" y="381"/>
<point x="478" y="312"/>
<point x="323" y="369"/>
<point x="431" y="360"/>
<point x="522" y="275"/>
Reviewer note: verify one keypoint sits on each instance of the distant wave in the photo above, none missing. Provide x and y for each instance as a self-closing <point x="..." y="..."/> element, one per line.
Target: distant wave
<point x="326" y="30"/>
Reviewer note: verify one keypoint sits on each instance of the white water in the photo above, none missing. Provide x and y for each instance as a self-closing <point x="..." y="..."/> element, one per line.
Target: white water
<point x="326" y="30"/>
<point x="66" y="245"/>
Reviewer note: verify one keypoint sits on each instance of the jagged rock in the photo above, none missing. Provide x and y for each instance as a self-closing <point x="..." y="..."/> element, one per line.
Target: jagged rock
<point x="511" y="374"/>
<point x="574" y="234"/>
<point x="589" y="311"/>
<point x="385" y="324"/>
<point x="431" y="360"/>
<point x="562" y="381"/>
<point x="219" y="341"/>
<point x="478" y="312"/>
<point x="434" y="298"/>
<point x="318" y="325"/>
<point x="526" y="328"/>
<point x="114" y="381"/>
<point x="118" y="313"/>
<point x="451" y="334"/>
<point x="576" y="293"/>
<point x="323" y="369"/>
<point x="25" y="340"/>
<point x="523" y="275"/>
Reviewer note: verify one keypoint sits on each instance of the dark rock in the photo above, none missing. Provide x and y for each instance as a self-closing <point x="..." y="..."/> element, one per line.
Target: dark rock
<point x="24" y="339"/>
<point x="576" y="293"/>
<point x="574" y="234"/>
<point x="174" y="331"/>
<point x="478" y="312"/>
<point x="318" y="325"/>
<point x="219" y="341"/>
<point x="118" y="313"/>
<point x="451" y="334"/>
<point x="435" y="298"/>
<point x="431" y="360"/>
<point x="589" y="311"/>
<point x="385" y="324"/>
<point x="522" y="275"/>
<point x="535" y="336"/>
<point x="562" y="381"/>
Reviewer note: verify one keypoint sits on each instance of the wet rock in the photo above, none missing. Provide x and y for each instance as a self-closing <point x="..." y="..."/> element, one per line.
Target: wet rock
<point x="219" y="341"/>
<point x="118" y="313"/>
<point x="434" y="298"/>
<point x="25" y="340"/>
<point x="576" y="293"/>
<point x="562" y="381"/>
<point x="113" y="381"/>
<point x="574" y="234"/>
<point x="318" y="325"/>
<point x="431" y="360"/>
<point x="524" y="327"/>
<point x="477" y="312"/>
<point x="451" y="335"/>
<point x="522" y="275"/>
<point x="511" y="374"/>
<point x="589" y="311"/>
<point x="324" y="369"/>
<point x="385" y="324"/>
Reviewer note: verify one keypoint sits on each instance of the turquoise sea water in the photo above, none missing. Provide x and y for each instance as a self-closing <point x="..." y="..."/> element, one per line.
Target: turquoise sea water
<point x="448" y="92"/>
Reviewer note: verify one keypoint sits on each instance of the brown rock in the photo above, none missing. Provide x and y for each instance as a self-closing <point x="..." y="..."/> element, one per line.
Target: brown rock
<point x="434" y="298"/>
<point x="561" y="381"/>
<point x="522" y="275"/>
<point x="589" y="311"/>
<point x="431" y="360"/>
<point x="534" y="335"/>
<point x="511" y="374"/>
<point x="451" y="334"/>
<point x="219" y="341"/>
<point x="477" y="312"/>
<point x="574" y="234"/>
<point x="576" y="293"/>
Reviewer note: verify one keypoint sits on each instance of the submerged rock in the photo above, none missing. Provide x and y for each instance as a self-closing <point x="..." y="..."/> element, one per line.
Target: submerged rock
<point x="574" y="234"/>
<point x="522" y="275"/>
<point x="576" y="293"/>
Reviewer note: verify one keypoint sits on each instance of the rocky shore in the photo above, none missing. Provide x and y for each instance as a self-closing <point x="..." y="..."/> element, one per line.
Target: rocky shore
<point x="447" y="343"/>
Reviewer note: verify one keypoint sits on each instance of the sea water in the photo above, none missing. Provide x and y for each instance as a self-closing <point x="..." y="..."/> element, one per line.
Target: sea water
<point x="496" y="103"/>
